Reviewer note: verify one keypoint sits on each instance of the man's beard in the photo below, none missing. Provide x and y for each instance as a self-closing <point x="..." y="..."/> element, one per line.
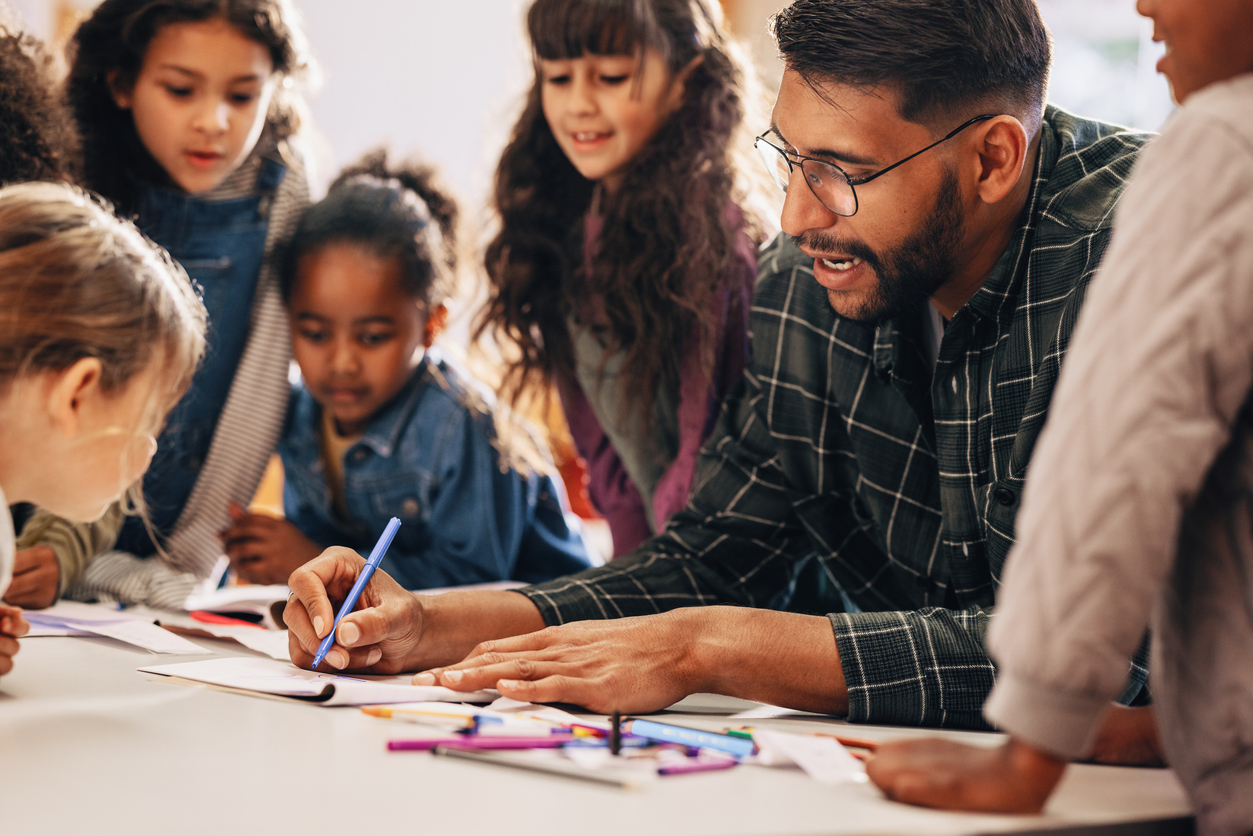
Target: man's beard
<point x="909" y="274"/>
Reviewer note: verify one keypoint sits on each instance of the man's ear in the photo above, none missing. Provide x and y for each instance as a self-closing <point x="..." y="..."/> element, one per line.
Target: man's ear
<point x="71" y="392"/>
<point x="678" y="87"/>
<point x="121" y="92"/>
<point x="1002" y="146"/>
<point x="435" y="322"/>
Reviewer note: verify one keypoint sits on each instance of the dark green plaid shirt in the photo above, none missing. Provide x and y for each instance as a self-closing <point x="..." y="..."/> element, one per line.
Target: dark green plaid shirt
<point x="845" y="477"/>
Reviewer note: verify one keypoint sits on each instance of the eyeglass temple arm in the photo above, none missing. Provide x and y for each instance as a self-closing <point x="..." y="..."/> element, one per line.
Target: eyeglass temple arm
<point x="857" y="181"/>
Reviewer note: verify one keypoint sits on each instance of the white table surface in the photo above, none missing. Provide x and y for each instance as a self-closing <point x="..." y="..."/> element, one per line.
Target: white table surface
<point x="88" y="745"/>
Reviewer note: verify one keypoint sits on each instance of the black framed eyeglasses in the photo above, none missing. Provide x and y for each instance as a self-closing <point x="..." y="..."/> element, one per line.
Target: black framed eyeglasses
<point x="833" y="188"/>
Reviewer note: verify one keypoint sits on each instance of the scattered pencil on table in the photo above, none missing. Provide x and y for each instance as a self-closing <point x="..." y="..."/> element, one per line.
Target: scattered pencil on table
<point x="615" y="734"/>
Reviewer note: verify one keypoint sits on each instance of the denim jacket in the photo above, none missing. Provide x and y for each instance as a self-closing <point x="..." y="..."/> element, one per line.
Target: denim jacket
<point x="428" y="458"/>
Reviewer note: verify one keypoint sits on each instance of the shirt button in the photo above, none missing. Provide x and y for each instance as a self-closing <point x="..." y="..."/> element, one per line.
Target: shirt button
<point x="409" y="507"/>
<point x="1004" y="496"/>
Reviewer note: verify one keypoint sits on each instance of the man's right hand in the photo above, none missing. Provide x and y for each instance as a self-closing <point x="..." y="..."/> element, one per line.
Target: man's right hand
<point x="392" y="629"/>
<point x="380" y="636"/>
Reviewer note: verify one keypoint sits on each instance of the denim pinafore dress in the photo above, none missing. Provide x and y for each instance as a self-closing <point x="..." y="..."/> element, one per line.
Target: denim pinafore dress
<point x="221" y="245"/>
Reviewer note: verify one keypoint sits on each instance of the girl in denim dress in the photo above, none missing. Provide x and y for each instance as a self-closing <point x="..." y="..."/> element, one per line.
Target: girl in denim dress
<point x="187" y="109"/>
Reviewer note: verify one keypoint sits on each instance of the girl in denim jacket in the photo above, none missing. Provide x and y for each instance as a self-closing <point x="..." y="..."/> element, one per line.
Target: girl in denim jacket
<point x="382" y="425"/>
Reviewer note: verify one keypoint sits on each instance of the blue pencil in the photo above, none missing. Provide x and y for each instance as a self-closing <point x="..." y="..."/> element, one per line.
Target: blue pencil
<point x="376" y="556"/>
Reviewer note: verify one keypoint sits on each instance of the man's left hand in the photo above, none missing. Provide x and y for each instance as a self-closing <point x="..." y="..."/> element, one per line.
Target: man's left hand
<point x="633" y="665"/>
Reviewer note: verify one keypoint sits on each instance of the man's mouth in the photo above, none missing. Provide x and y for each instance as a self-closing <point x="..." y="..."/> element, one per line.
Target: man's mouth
<point x="841" y="265"/>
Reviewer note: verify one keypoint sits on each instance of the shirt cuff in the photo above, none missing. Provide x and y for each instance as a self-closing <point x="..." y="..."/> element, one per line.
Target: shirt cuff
<point x="1061" y="722"/>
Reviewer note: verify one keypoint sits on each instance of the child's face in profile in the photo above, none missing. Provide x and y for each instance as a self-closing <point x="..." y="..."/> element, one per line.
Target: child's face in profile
<point x="355" y="332"/>
<point x="200" y="100"/>
<point x="106" y="439"/>
<point x="603" y="109"/>
<point x="1206" y="41"/>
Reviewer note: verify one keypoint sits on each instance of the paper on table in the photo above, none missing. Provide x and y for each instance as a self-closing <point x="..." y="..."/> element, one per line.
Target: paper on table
<point x="822" y="758"/>
<point x="268" y="676"/>
<point x="272" y="643"/>
<point x="69" y="618"/>
<point x="248" y="599"/>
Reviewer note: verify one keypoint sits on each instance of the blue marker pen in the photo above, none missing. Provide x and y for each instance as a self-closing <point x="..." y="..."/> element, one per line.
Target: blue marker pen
<point x="376" y="556"/>
<point x="694" y="738"/>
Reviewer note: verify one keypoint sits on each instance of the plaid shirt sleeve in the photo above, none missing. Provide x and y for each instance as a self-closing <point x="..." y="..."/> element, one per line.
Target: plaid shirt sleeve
<point x="847" y="477"/>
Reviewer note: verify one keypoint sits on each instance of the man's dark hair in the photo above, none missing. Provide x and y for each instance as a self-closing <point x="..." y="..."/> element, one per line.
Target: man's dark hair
<point x="945" y="57"/>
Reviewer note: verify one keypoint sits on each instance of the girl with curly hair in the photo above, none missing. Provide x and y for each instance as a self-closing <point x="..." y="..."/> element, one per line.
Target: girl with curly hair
<point x="624" y="262"/>
<point x="383" y="425"/>
<point x="188" y="111"/>
<point x="37" y="136"/>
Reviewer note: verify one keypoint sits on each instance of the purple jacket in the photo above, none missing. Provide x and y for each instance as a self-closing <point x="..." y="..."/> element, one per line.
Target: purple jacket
<point x="611" y="490"/>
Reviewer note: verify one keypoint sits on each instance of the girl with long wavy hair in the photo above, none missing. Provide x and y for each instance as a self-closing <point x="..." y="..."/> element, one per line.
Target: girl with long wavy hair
<point x="624" y="262"/>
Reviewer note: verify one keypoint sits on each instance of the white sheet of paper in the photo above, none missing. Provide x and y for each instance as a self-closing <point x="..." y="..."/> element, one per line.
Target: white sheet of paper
<point x="242" y="599"/>
<point x="823" y="758"/>
<point x="71" y="618"/>
<point x="272" y="643"/>
<point x="269" y="676"/>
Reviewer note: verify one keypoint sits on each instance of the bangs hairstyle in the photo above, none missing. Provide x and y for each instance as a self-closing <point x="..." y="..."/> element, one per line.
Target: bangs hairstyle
<point x="114" y="40"/>
<point x="562" y="29"/>
<point x="947" y="58"/>
<point x="669" y="231"/>
<point x="76" y="282"/>
<point x="398" y="212"/>
<point x="38" y="140"/>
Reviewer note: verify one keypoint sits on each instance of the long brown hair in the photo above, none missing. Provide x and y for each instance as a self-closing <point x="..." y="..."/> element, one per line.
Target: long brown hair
<point x="114" y="40"/>
<point x="668" y="233"/>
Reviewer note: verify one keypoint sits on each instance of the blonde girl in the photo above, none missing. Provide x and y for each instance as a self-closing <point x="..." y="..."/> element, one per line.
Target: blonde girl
<point x="99" y="337"/>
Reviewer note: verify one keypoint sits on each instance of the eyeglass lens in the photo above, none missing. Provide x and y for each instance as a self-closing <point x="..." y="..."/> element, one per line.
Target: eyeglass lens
<point x="827" y="182"/>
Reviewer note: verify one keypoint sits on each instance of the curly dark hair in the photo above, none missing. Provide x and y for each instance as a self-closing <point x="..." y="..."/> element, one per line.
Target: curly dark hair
<point x="37" y="136"/>
<point x="668" y="236"/>
<point x="114" y="40"/>
<point x="392" y="211"/>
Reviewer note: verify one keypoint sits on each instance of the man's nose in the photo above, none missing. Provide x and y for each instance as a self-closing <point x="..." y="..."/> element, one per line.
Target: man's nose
<point x="802" y="211"/>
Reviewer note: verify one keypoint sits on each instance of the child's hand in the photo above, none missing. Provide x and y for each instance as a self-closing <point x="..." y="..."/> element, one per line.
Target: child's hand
<point x="264" y="549"/>
<point x="36" y="576"/>
<point x="12" y="627"/>
<point x="1012" y="778"/>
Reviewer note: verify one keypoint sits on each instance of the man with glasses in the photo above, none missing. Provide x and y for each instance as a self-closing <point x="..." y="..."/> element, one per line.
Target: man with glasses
<point x="857" y="499"/>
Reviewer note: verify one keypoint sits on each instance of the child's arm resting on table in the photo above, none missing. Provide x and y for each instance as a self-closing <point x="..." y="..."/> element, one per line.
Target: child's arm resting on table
<point x="1014" y="777"/>
<point x="54" y="553"/>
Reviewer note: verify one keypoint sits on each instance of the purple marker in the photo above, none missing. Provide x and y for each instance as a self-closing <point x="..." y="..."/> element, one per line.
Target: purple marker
<point x="704" y="765"/>
<point x="477" y="742"/>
